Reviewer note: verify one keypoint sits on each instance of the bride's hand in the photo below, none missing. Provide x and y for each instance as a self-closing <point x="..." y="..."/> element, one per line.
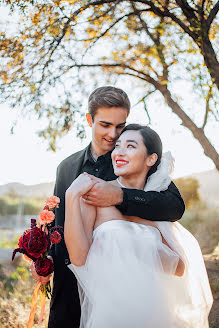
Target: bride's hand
<point x="35" y="276"/>
<point x="81" y="185"/>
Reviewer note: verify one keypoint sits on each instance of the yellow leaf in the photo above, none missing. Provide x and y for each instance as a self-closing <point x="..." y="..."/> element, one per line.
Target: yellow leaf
<point x="164" y="82"/>
<point x="33" y="88"/>
<point x="4" y="77"/>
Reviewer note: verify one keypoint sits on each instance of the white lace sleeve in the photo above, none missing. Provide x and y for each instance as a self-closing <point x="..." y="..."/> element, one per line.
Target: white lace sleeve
<point x="161" y="179"/>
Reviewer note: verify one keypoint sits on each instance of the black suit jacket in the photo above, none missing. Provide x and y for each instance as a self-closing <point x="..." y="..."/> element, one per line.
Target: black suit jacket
<point x="167" y="205"/>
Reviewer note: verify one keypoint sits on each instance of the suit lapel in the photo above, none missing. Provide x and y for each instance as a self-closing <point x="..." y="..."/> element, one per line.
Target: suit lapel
<point x="76" y="166"/>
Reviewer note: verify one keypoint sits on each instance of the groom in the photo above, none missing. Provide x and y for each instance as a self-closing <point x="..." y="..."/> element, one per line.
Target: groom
<point x="108" y="109"/>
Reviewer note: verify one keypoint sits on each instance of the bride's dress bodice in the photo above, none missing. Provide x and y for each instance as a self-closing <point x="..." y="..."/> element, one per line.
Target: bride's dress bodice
<point x="124" y="226"/>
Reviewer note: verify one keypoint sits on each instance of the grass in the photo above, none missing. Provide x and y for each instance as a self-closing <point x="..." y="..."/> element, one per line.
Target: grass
<point x="16" y="295"/>
<point x="9" y="280"/>
<point x="5" y="243"/>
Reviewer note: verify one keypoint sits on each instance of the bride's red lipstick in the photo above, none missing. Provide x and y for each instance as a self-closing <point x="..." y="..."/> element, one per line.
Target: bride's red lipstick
<point x="121" y="162"/>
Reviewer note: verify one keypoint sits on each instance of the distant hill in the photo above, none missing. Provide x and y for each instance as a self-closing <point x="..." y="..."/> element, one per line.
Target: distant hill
<point x="41" y="190"/>
<point x="208" y="180"/>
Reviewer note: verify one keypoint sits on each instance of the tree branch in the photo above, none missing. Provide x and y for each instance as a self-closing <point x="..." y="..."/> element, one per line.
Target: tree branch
<point x="212" y="15"/>
<point x="203" y="5"/>
<point x="106" y="31"/>
<point x="138" y="13"/>
<point x="207" y="110"/>
<point x="156" y="42"/>
<point x="154" y="9"/>
<point x="167" y="13"/>
<point x="140" y="74"/>
<point x="188" y="11"/>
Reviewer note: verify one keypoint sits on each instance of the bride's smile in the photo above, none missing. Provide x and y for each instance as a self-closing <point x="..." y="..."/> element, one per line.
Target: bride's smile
<point x="120" y="162"/>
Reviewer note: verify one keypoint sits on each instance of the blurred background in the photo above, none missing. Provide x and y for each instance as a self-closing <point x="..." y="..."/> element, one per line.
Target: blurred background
<point x="53" y="55"/>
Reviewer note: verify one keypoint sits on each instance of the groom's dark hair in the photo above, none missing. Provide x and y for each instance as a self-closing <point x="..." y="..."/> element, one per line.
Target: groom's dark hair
<point x="107" y="96"/>
<point x="151" y="141"/>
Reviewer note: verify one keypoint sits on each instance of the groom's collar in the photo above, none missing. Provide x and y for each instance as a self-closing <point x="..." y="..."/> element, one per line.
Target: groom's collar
<point x="88" y="156"/>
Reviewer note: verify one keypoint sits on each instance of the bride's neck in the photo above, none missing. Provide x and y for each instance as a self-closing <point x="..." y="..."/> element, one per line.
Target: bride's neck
<point x="131" y="182"/>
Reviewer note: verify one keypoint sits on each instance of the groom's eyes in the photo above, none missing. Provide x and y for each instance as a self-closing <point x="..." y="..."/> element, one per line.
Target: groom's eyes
<point x="105" y="125"/>
<point x="121" y="126"/>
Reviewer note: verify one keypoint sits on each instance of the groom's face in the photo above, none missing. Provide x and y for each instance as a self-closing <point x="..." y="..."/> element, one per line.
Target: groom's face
<point x="107" y="125"/>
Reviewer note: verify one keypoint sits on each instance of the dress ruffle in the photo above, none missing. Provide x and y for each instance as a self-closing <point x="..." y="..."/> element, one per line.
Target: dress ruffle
<point x="128" y="279"/>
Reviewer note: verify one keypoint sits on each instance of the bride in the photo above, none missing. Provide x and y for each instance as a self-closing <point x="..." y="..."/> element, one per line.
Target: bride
<point x="133" y="272"/>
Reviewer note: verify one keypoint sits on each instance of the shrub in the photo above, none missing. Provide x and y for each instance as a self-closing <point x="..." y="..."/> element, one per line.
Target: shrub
<point x="25" y="206"/>
<point x="188" y="188"/>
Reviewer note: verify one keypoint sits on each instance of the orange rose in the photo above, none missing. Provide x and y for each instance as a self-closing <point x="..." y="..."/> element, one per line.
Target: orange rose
<point x="53" y="202"/>
<point x="46" y="216"/>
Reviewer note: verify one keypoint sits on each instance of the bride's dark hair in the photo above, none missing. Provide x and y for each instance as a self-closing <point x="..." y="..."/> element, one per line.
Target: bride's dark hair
<point x="151" y="141"/>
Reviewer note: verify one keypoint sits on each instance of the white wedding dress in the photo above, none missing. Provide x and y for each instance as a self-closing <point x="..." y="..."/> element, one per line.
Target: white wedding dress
<point x="128" y="280"/>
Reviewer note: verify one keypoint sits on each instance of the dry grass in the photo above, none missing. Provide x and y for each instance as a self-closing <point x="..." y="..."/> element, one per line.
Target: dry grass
<point x="203" y="223"/>
<point x="16" y="287"/>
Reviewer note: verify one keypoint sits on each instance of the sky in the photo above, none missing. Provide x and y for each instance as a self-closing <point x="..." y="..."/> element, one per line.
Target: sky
<point x="25" y="158"/>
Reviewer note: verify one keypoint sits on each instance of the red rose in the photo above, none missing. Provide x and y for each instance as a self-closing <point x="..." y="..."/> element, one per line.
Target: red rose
<point x="55" y="237"/>
<point x="44" y="266"/>
<point x="38" y="243"/>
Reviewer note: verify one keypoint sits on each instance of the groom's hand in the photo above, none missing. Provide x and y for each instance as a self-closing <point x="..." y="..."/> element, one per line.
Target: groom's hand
<point x="104" y="194"/>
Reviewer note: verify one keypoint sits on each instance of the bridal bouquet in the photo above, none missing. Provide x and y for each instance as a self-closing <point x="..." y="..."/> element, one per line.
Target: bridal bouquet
<point x="35" y="244"/>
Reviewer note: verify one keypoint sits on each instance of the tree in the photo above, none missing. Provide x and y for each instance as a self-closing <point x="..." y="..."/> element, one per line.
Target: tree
<point x="152" y="42"/>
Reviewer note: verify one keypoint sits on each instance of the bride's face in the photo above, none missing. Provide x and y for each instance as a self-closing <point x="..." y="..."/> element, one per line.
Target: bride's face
<point x="130" y="154"/>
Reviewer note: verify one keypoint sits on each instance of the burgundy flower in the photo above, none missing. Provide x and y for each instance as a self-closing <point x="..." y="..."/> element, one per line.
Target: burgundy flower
<point x="55" y="237"/>
<point x="38" y="243"/>
<point x="44" y="266"/>
<point x="46" y="208"/>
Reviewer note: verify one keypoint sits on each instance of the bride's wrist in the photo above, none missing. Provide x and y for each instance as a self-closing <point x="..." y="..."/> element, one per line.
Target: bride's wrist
<point x="72" y="195"/>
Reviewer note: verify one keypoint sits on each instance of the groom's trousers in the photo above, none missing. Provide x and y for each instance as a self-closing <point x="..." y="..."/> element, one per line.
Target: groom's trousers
<point x="65" y="305"/>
